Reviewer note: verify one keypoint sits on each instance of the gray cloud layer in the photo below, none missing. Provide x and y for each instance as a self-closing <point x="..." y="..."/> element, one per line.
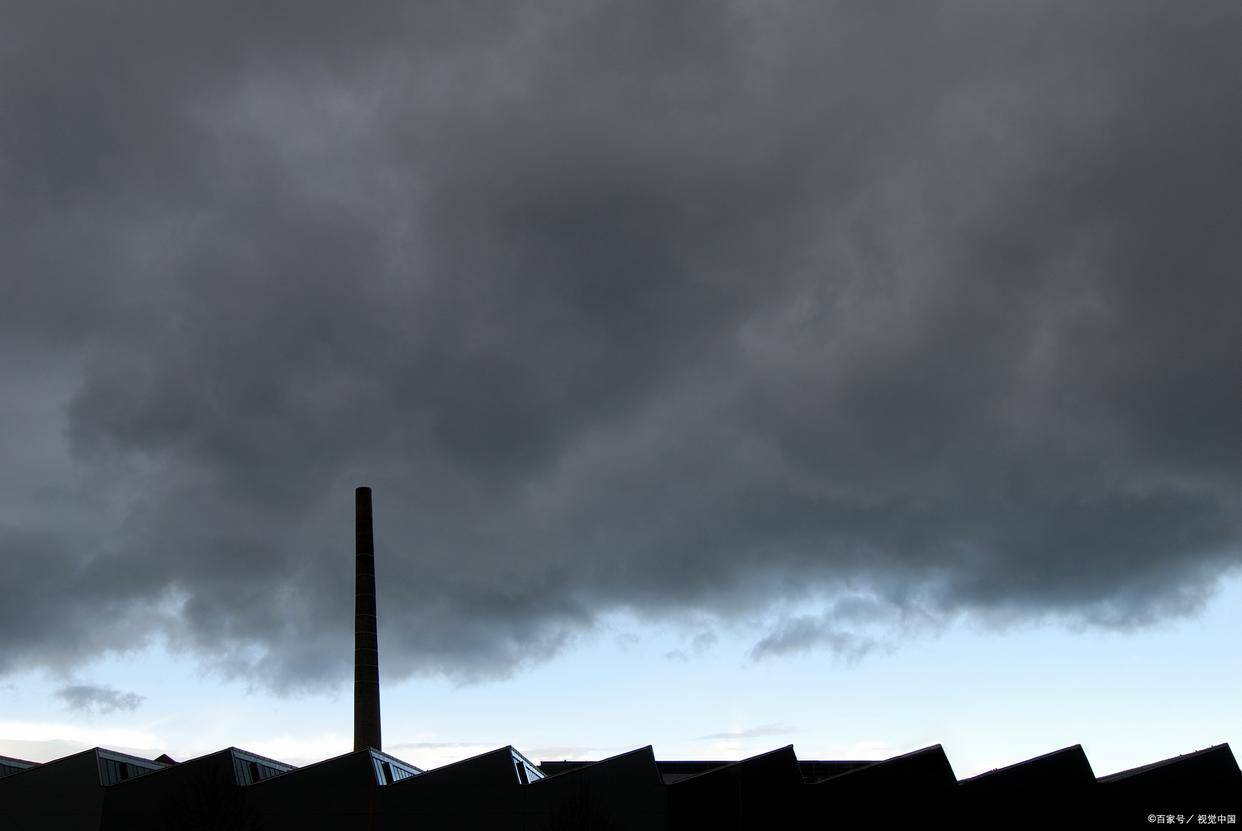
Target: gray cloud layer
<point x="95" y="699"/>
<point x="680" y="310"/>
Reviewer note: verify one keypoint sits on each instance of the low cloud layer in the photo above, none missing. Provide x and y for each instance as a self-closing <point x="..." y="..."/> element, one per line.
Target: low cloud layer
<point x="686" y="312"/>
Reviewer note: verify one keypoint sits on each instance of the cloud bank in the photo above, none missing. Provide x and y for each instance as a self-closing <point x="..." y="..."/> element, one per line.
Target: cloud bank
<point x="688" y="311"/>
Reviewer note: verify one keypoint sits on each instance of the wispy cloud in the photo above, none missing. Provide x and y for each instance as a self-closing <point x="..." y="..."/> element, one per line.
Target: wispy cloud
<point x="758" y="732"/>
<point x="704" y="641"/>
<point x="569" y="752"/>
<point x="99" y="700"/>
<point x="807" y="632"/>
<point x="437" y="745"/>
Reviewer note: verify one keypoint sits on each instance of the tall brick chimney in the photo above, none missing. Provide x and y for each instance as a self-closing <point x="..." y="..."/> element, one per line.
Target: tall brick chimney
<point x="366" y="642"/>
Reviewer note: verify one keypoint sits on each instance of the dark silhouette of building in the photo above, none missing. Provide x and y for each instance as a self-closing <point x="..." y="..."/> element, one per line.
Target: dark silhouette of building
<point x="624" y="791"/>
<point x="344" y="790"/>
<point x="1210" y="768"/>
<point x="206" y="792"/>
<point x="1060" y="780"/>
<point x="10" y="765"/>
<point x="68" y="793"/>
<point x="1067" y="768"/>
<point x="740" y="794"/>
<point x="673" y="771"/>
<point x="234" y="790"/>
<point x="485" y="789"/>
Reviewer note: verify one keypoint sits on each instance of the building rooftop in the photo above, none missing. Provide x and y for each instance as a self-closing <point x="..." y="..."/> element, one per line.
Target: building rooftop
<point x="629" y="790"/>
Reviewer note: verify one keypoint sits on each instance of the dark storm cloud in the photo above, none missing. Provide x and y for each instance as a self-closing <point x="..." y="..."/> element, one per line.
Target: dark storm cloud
<point x="691" y="312"/>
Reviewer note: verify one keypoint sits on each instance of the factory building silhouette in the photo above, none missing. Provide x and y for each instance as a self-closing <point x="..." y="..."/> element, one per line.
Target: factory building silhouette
<point x="369" y="789"/>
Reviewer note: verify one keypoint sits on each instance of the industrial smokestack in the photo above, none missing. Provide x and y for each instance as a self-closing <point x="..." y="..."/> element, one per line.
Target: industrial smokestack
<point x="366" y="641"/>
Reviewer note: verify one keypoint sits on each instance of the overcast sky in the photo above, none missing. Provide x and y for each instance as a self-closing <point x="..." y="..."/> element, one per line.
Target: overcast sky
<point x="797" y="329"/>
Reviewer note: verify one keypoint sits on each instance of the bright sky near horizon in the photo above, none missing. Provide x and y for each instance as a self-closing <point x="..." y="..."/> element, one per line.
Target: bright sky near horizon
<point x="990" y="698"/>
